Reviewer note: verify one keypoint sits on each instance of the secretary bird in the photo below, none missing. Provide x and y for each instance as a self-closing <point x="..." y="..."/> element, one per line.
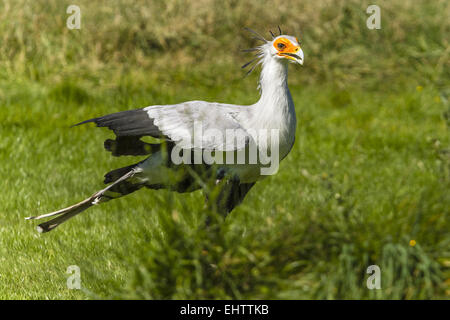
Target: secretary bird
<point x="195" y="139"/>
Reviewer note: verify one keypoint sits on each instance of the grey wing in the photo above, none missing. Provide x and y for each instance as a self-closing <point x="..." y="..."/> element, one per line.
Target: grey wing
<point x="202" y="125"/>
<point x="194" y="124"/>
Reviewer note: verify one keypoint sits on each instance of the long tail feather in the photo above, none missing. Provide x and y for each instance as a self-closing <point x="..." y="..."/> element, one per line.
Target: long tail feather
<point x="69" y="212"/>
<point x="52" y="224"/>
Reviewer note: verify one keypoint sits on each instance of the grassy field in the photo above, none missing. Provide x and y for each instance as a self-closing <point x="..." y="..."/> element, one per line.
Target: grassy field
<point x="369" y="172"/>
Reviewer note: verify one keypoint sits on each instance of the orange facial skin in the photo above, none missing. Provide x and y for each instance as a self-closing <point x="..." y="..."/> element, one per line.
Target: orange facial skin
<point x="285" y="47"/>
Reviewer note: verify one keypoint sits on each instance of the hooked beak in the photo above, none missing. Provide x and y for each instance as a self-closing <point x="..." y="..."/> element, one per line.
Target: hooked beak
<point x="296" y="55"/>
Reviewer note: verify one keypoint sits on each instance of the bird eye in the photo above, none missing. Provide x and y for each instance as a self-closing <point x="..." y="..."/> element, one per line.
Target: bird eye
<point x="281" y="46"/>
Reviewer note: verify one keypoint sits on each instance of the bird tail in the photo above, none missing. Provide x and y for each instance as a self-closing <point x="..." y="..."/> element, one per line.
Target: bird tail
<point x="120" y="187"/>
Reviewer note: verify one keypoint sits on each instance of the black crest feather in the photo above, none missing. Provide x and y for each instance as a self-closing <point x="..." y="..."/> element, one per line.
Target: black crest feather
<point x="257" y="35"/>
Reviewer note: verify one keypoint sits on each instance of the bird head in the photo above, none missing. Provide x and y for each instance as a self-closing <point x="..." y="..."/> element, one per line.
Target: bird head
<point x="287" y="47"/>
<point x="283" y="48"/>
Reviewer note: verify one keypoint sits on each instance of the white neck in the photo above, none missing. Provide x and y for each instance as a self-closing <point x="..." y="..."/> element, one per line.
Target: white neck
<point x="275" y="108"/>
<point x="275" y="104"/>
<point x="273" y="81"/>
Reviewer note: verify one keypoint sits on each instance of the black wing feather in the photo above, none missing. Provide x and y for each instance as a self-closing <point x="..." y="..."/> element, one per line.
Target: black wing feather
<point x="135" y="123"/>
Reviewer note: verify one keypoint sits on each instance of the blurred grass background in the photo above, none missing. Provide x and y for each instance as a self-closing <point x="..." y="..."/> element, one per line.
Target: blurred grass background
<point x="368" y="174"/>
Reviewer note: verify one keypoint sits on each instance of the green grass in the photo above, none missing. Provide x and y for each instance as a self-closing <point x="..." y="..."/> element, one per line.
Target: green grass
<point x="369" y="172"/>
